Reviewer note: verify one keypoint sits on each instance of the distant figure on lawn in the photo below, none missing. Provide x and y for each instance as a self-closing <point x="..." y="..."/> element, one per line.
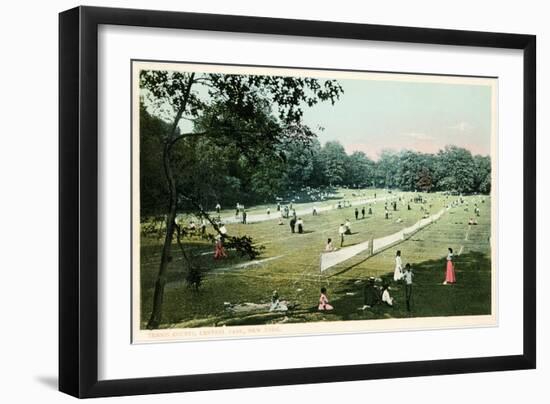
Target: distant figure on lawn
<point x="386" y="213"/>
<point x="348" y="226"/>
<point x="244" y="216"/>
<point x="218" y="208"/>
<point x="386" y="298"/>
<point x="398" y="272"/>
<point x="356" y="214"/>
<point x="341" y="232"/>
<point x="363" y="212"/>
<point x="314" y="211"/>
<point x="329" y="247"/>
<point x="268" y="211"/>
<point x="408" y="206"/>
<point x="323" y="301"/>
<point x="408" y="276"/>
<point x="300" y="224"/>
<point x="278" y="206"/>
<point x="293" y="225"/>
<point x="237" y="209"/>
<point x="370" y="294"/>
<point x="219" y="251"/>
<point x="450" y="272"/>
<point x="370" y="210"/>
<point x="339" y="205"/>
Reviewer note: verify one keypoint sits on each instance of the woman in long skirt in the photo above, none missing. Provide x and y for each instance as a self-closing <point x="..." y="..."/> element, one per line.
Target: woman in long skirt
<point x="450" y="273"/>
<point x="219" y="251"/>
<point x="398" y="272"/>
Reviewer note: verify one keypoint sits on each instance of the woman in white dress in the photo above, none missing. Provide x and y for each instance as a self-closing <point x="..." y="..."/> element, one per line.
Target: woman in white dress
<point x="398" y="273"/>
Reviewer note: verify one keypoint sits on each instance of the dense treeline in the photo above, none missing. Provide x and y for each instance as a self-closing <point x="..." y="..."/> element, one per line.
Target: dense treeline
<point x="219" y="172"/>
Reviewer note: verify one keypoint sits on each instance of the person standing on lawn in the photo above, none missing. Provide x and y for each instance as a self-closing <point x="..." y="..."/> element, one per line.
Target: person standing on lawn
<point x="450" y="277"/>
<point x="398" y="271"/>
<point x="408" y="276"/>
<point x="293" y="225"/>
<point x="342" y="231"/>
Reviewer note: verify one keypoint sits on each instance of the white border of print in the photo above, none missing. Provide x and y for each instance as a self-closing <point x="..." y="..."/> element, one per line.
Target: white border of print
<point x="117" y="356"/>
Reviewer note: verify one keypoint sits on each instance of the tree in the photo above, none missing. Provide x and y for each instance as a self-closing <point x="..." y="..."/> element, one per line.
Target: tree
<point x="359" y="170"/>
<point x="482" y="178"/>
<point x="334" y="160"/>
<point x="387" y="169"/>
<point x="227" y="108"/>
<point x="456" y="170"/>
<point x="424" y="180"/>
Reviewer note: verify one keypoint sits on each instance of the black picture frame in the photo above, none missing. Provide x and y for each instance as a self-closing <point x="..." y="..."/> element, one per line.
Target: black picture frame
<point x="78" y="200"/>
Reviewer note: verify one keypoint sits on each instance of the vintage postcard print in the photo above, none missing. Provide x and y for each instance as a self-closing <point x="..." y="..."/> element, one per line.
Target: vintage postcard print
<point x="282" y="202"/>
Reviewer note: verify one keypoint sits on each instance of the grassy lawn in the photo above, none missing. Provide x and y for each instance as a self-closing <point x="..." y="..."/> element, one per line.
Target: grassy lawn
<point x="291" y="266"/>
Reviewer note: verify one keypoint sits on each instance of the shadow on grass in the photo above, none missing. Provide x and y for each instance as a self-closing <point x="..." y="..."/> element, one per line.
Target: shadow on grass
<point x="471" y="295"/>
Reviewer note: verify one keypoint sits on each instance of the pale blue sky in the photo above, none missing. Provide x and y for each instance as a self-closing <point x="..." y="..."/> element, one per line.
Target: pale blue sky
<point x="375" y="115"/>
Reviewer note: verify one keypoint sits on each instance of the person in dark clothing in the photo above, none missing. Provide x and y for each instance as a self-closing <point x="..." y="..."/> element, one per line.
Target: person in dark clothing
<point x="300" y="224"/>
<point x="363" y="212"/>
<point x="407" y="277"/>
<point x="356" y="213"/>
<point x="293" y="225"/>
<point x="370" y="293"/>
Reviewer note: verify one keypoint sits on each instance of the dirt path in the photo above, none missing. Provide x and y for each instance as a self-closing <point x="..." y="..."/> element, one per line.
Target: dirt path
<point x="262" y="217"/>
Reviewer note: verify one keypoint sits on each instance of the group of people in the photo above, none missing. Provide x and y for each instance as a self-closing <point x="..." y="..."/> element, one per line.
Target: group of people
<point x="344" y="229"/>
<point x="296" y="223"/>
<point x="373" y="295"/>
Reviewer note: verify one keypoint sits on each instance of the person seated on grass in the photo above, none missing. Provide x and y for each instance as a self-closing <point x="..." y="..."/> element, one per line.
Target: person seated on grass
<point x="276" y="304"/>
<point x="329" y="247"/>
<point x="386" y="298"/>
<point x="348" y="226"/>
<point x="370" y="294"/>
<point x="323" y="301"/>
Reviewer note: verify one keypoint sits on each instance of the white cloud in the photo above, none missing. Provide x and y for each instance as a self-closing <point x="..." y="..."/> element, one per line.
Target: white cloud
<point x="461" y="127"/>
<point x="419" y="136"/>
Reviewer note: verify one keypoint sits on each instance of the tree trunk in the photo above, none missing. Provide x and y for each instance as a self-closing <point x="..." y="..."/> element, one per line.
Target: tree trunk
<point x="158" y="297"/>
<point x="156" y="313"/>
